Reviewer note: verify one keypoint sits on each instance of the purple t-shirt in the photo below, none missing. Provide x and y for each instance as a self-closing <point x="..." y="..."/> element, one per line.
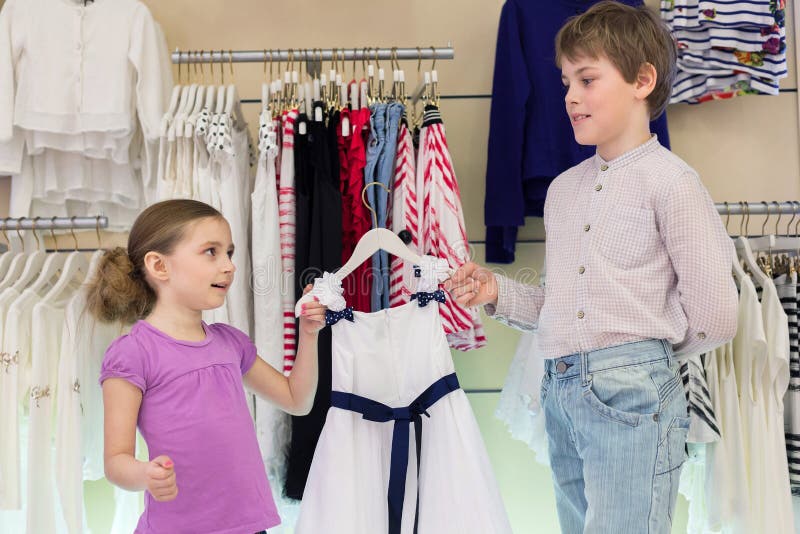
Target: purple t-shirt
<point x="194" y="410"/>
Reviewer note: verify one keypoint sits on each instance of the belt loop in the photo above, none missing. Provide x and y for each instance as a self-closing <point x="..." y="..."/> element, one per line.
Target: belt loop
<point x="584" y="368"/>
<point x="668" y="351"/>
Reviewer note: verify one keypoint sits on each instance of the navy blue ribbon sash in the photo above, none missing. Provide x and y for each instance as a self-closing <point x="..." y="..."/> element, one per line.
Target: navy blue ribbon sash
<point x="402" y="417"/>
<point x="424" y="298"/>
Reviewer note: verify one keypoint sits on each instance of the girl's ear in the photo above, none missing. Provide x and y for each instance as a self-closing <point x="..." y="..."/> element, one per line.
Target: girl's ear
<point x="156" y="266"/>
<point x="645" y="81"/>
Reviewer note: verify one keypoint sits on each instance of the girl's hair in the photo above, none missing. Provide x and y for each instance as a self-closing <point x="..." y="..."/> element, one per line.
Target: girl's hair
<point x="120" y="290"/>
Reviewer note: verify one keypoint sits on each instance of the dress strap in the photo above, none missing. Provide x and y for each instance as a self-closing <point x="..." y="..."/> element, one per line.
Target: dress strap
<point x="431" y="271"/>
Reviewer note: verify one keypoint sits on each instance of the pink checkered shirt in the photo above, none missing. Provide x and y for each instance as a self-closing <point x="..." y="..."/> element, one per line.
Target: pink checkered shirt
<point x="635" y="250"/>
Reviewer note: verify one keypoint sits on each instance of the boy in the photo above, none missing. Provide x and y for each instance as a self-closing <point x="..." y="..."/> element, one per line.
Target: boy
<point x="638" y="273"/>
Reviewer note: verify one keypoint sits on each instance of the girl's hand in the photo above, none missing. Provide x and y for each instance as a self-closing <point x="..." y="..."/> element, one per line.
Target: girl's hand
<point x="472" y="285"/>
<point x="312" y="318"/>
<point x="160" y="477"/>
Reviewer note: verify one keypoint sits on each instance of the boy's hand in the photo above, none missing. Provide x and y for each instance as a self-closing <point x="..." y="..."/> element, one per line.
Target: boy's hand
<point x="472" y="285"/>
<point x="312" y="318"/>
<point x="160" y="477"/>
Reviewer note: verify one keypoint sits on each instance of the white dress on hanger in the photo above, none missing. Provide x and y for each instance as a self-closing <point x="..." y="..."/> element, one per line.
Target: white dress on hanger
<point x="396" y="363"/>
<point x="44" y="511"/>
<point x="79" y="401"/>
<point x="14" y="395"/>
<point x="749" y="361"/>
<point x="777" y="496"/>
<point x="272" y="424"/>
<point x="235" y="187"/>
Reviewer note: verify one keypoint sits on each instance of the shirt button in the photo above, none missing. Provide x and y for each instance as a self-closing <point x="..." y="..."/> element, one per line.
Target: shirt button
<point x="598" y="187"/>
<point x="580" y="315"/>
<point x="587" y="227"/>
<point x="603" y="167"/>
<point x="581" y="269"/>
<point x="701" y="335"/>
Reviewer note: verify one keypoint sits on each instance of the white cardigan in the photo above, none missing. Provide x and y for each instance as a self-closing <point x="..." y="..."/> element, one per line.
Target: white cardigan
<point x="81" y="79"/>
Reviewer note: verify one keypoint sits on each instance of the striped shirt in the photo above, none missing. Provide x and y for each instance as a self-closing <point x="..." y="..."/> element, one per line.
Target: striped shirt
<point x="703" y="427"/>
<point x="442" y="229"/>
<point x="286" y="220"/>
<point x="403" y="216"/>
<point x="635" y="250"/>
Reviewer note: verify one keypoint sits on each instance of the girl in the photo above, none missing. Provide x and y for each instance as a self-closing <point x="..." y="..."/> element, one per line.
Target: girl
<point x="181" y="380"/>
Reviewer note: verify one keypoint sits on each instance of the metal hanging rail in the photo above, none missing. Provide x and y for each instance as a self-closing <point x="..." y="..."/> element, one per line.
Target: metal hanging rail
<point x="53" y="223"/>
<point x="311" y="54"/>
<point x="759" y="208"/>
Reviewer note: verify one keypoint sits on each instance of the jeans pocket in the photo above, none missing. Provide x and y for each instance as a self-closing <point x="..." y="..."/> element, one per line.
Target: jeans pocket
<point x="624" y="395"/>
<point x="669" y="459"/>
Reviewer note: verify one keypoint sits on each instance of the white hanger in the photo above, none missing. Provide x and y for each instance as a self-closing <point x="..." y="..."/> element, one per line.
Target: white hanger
<point x="188" y="130"/>
<point x="18" y="262"/>
<point x="746" y="253"/>
<point x="75" y="264"/>
<point x="353" y="95"/>
<point x="52" y="264"/>
<point x="8" y="255"/>
<point x="774" y="242"/>
<point x="233" y="106"/>
<point x="364" y="94"/>
<point x="375" y="240"/>
<point x="33" y="265"/>
<point x="309" y="97"/>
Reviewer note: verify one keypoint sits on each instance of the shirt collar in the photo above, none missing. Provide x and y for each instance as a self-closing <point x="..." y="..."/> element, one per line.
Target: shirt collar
<point x="629" y="156"/>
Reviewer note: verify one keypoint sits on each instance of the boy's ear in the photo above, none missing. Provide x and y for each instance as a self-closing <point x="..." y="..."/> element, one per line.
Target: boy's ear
<point x="645" y="80"/>
<point x="156" y="266"/>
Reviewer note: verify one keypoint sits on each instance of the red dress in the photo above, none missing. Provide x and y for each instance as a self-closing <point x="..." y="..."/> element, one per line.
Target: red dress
<point x="356" y="219"/>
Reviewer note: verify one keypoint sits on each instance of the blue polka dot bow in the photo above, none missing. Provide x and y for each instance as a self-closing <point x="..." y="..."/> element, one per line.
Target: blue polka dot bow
<point x="333" y="317"/>
<point x="425" y="298"/>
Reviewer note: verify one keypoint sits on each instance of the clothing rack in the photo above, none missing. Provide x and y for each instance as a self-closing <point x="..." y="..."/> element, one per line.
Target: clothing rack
<point x="789" y="207"/>
<point x="313" y="54"/>
<point x="54" y="223"/>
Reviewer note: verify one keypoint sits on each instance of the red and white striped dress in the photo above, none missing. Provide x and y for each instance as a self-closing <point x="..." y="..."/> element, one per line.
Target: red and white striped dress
<point x="286" y="212"/>
<point x="403" y="216"/>
<point x="442" y="230"/>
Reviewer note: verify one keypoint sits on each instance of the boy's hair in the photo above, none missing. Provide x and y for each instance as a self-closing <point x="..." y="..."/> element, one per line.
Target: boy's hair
<point x="120" y="290"/>
<point x="629" y="37"/>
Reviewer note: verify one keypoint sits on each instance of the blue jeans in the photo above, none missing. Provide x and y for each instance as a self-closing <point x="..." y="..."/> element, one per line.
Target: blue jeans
<point x="616" y="426"/>
<point x="381" y="153"/>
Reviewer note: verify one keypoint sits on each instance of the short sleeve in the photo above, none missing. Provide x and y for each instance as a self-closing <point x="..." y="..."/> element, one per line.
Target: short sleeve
<point x="243" y="345"/>
<point x="125" y="359"/>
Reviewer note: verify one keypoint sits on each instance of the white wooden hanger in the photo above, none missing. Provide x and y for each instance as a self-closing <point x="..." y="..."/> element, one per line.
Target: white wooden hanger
<point x="17" y="262"/>
<point x="375" y="240"/>
<point x="51" y="267"/>
<point x="370" y="243"/>
<point x="76" y="267"/>
<point x="233" y="106"/>
<point x="8" y="255"/>
<point x="746" y="253"/>
<point x="33" y="266"/>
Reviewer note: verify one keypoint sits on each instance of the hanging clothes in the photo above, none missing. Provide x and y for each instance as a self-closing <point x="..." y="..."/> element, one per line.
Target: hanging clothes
<point x="381" y="152"/>
<point x="405" y="217"/>
<point x="17" y="339"/>
<point x="356" y="220"/>
<point x="93" y="141"/>
<point x="442" y="229"/>
<point x="286" y="210"/>
<point x="79" y="420"/>
<point x="528" y="149"/>
<point x="272" y="424"/>
<point x="46" y="515"/>
<point x="323" y="254"/>
<point x="448" y="485"/>
<point x="726" y="49"/>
